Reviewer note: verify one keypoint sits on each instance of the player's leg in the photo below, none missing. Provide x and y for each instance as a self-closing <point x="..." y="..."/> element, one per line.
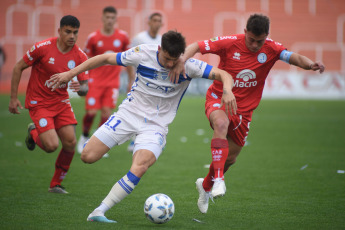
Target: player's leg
<point x="94" y="150"/>
<point x="64" y="159"/>
<point x="142" y="160"/>
<point x="234" y="151"/>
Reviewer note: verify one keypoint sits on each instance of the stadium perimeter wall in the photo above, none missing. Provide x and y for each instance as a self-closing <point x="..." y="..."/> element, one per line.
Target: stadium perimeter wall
<point x="315" y="28"/>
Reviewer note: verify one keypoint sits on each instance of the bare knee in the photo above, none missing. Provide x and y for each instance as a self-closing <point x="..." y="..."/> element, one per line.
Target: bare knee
<point x="50" y="147"/>
<point x="221" y="125"/>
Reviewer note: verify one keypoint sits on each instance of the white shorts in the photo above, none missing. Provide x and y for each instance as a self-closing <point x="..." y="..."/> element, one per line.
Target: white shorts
<point x="122" y="125"/>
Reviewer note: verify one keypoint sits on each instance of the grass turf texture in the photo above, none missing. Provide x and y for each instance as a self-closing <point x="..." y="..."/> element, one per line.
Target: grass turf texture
<point x="266" y="187"/>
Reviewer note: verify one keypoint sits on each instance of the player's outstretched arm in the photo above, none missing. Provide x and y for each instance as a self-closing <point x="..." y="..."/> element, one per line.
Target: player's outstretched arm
<point x="305" y="63"/>
<point x="16" y="75"/>
<point x="228" y="98"/>
<point x="179" y="69"/>
<point x="61" y="78"/>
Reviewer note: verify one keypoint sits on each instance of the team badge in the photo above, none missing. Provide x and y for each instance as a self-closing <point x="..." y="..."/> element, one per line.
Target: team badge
<point x="117" y="43"/>
<point x="137" y="49"/>
<point x="100" y="43"/>
<point x="91" y="101"/>
<point x="262" y="58"/>
<point x="43" y="122"/>
<point x="71" y="64"/>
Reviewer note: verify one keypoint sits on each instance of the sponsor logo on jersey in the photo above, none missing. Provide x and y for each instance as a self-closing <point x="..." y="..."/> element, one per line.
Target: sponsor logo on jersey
<point x="44" y="44"/>
<point x="277" y="43"/>
<point x="32" y="48"/>
<point x="245" y="79"/>
<point x="227" y="37"/>
<point x="100" y="43"/>
<point x="214" y="95"/>
<point x="207" y="46"/>
<point x="51" y="60"/>
<point x="162" y="88"/>
<point x="71" y="64"/>
<point x="47" y="84"/>
<point x="43" y="122"/>
<point x="33" y="102"/>
<point x="117" y="43"/>
<point x="29" y="56"/>
<point x="236" y="56"/>
<point x="262" y="58"/>
<point x="214" y="39"/>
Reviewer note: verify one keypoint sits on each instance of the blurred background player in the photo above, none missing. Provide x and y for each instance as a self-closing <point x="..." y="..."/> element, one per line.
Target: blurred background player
<point x="104" y="82"/>
<point x="248" y="58"/>
<point x="51" y="112"/>
<point x="147" y="111"/>
<point x="150" y="36"/>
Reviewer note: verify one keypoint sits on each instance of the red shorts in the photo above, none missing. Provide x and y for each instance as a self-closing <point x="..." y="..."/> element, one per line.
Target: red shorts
<point x="99" y="97"/>
<point x="239" y="123"/>
<point x="53" y="117"/>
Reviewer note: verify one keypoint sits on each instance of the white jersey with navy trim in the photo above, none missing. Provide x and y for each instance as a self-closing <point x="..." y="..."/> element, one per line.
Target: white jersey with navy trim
<point x="153" y="95"/>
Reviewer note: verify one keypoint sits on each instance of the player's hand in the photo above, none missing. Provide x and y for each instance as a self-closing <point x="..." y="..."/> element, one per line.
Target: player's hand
<point x="229" y="100"/>
<point x="13" y="106"/>
<point x="58" y="79"/>
<point x="317" y="66"/>
<point x="176" y="71"/>
<point x="74" y="86"/>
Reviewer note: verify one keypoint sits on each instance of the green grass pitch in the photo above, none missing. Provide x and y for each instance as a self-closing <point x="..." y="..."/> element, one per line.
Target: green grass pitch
<point x="285" y="178"/>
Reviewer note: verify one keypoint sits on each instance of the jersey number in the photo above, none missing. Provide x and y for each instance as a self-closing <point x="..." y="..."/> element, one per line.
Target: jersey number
<point x="114" y="123"/>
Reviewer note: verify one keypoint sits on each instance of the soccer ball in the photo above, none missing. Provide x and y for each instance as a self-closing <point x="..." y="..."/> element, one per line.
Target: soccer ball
<point x="159" y="208"/>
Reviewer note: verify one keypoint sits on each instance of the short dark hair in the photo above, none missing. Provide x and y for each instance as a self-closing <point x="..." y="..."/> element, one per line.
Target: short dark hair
<point x="109" y="9"/>
<point x="69" y="20"/>
<point x="174" y="43"/>
<point x="155" y="14"/>
<point x="258" y="24"/>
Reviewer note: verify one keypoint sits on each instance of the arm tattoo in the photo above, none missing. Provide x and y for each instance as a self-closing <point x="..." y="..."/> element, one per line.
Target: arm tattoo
<point x="225" y="92"/>
<point x="212" y="76"/>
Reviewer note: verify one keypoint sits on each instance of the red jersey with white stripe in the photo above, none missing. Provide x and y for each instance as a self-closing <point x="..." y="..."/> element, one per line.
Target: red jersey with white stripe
<point x="249" y="70"/>
<point x="98" y="43"/>
<point x="47" y="60"/>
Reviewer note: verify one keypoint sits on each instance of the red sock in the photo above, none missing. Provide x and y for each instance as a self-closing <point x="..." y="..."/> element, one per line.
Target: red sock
<point x="61" y="167"/>
<point x="37" y="139"/>
<point x="102" y="121"/>
<point x="87" y="123"/>
<point x="208" y="182"/>
<point x="220" y="151"/>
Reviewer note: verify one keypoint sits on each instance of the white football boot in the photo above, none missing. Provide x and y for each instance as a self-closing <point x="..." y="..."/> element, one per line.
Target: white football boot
<point x="218" y="188"/>
<point x="81" y="142"/>
<point x="203" y="196"/>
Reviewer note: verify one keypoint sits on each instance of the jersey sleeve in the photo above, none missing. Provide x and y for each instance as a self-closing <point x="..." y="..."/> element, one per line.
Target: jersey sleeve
<point x="89" y="45"/>
<point x="277" y="48"/>
<point x="33" y="55"/>
<point x="216" y="45"/>
<point x="131" y="57"/>
<point x="197" y="69"/>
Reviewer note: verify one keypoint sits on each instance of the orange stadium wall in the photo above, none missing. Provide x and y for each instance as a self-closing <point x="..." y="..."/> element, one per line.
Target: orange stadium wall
<point x="314" y="28"/>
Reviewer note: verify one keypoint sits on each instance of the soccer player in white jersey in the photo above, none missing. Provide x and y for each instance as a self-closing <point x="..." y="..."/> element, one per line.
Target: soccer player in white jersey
<point x="147" y="111"/>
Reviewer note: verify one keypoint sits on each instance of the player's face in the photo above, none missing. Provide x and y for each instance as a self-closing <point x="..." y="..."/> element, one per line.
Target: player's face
<point x="68" y="35"/>
<point x="253" y="42"/>
<point x="155" y="23"/>
<point x="165" y="59"/>
<point x="109" y="20"/>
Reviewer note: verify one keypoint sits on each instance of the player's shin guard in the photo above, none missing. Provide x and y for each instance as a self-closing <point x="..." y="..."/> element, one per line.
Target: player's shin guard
<point x="62" y="165"/>
<point x="121" y="189"/>
<point x="87" y="123"/>
<point x="220" y="151"/>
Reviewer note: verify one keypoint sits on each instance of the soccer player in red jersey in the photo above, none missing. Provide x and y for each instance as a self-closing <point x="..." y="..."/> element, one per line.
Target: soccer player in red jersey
<point x="51" y="112"/>
<point x="248" y="58"/>
<point x="104" y="81"/>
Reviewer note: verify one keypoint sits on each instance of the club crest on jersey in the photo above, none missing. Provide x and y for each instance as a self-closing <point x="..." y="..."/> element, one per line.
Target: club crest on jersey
<point x="137" y="49"/>
<point x="214" y="39"/>
<point x="100" y="43"/>
<point x="262" y="58"/>
<point x="236" y="56"/>
<point x="117" y="43"/>
<point x="43" y="122"/>
<point x="71" y="64"/>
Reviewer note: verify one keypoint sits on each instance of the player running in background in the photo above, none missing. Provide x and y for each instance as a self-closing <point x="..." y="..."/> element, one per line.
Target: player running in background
<point x="150" y="36"/>
<point x="104" y="82"/>
<point x="248" y="58"/>
<point x="148" y="110"/>
<point x="51" y="112"/>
